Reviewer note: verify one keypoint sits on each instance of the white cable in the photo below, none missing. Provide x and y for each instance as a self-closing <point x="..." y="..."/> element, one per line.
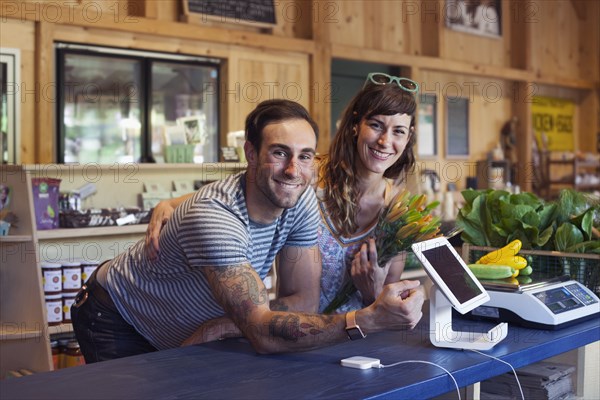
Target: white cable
<point x="511" y="367"/>
<point x="425" y="362"/>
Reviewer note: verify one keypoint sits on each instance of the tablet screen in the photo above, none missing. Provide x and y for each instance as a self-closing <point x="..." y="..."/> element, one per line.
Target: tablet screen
<point x="452" y="273"/>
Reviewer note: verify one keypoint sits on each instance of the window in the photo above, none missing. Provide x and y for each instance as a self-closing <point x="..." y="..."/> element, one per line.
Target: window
<point x="9" y="105"/>
<point x="115" y="105"/>
<point x="426" y="128"/>
<point x="458" y="127"/>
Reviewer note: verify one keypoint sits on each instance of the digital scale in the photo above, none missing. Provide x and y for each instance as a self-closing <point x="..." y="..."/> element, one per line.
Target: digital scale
<point x="548" y="304"/>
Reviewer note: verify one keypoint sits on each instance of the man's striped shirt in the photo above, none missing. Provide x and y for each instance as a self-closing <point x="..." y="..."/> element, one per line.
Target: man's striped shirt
<point x="167" y="299"/>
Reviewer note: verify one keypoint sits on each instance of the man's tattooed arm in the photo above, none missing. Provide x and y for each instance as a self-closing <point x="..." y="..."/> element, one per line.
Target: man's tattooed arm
<point x="243" y="296"/>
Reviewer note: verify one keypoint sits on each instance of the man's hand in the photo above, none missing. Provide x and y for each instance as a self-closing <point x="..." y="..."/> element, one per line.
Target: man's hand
<point x="399" y="306"/>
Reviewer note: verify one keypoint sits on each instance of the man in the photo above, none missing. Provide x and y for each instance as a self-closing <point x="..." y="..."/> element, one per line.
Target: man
<point x="217" y="248"/>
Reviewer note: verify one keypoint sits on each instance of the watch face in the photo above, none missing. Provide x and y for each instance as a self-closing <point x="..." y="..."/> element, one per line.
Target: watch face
<point x="355" y="333"/>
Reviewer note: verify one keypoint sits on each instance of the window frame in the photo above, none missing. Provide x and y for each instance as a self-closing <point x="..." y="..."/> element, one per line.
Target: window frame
<point x="449" y="133"/>
<point x="433" y="101"/>
<point x="147" y="60"/>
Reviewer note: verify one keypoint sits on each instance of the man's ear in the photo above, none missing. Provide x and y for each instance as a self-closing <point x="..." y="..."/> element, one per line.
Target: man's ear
<point x="251" y="154"/>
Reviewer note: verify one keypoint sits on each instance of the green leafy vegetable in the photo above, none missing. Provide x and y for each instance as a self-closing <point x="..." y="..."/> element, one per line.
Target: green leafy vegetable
<point x="495" y="218"/>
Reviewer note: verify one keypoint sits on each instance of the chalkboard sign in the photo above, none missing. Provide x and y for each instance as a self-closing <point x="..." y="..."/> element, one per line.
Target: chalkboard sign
<point x="249" y="11"/>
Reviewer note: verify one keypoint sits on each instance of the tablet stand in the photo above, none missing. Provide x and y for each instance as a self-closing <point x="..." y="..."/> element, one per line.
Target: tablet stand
<point x="442" y="334"/>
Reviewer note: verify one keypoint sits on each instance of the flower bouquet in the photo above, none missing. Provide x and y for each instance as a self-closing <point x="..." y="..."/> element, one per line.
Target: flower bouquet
<point x="405" y="221"/>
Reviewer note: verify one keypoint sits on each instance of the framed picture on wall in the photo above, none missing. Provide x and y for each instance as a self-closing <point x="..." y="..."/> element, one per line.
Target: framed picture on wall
<point x="478" y="17"/>
<point x="457" y="136"/>
<point x="426" y="127"/>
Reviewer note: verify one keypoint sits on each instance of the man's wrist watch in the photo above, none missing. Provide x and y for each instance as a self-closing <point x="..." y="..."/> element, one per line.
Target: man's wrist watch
<point x="352" y="329"/>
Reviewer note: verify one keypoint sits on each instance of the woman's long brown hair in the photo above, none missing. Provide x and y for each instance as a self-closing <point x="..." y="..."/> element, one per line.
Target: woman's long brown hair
<point x="337" y="170"/>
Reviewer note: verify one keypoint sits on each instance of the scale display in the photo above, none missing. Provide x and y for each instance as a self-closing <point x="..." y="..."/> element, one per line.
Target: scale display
<point x="565" y="298"/>
<point x="550" y="305"/>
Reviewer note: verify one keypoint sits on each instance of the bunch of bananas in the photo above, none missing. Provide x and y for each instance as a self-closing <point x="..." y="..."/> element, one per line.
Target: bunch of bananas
<point x="502" y="263"/>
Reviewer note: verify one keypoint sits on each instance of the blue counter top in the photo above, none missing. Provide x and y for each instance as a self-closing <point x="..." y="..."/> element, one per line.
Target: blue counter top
<point x="230" y="369"/>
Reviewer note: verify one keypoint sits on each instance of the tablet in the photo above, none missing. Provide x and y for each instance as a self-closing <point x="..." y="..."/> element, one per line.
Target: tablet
<point x="450" y="274"/>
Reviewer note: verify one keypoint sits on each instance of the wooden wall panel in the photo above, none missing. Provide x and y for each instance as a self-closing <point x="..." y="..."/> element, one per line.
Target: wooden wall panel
<point x="21" y="35"/>
<point x="462" y="46"/>
<point x="107" y="37"/>
<point x="379" y="25"/>
<point x="556" y="40"/>
<point x="294" y="18"/>
<point x="589" y="46"/>
<point x="466" y="47"/>
<point x="257" y="76"/>
<point x="160" y="10"/>
<point x="90" y="10"/>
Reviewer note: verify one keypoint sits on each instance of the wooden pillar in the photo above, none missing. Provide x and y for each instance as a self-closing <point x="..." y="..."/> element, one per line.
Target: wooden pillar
<point x="521" y="108"/>
<point x="45" y="97"/>
<point x="320" y="79"/>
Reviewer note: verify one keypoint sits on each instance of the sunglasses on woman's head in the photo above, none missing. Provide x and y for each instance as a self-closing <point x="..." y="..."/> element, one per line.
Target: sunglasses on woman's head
<point x="379" y="78"/>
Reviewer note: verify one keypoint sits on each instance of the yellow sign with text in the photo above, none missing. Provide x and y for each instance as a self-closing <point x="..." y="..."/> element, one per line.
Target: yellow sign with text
<point x="554" y="118"/>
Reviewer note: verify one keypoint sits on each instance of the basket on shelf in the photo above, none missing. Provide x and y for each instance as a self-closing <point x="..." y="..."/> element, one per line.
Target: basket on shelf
<point x="581" y="267"/>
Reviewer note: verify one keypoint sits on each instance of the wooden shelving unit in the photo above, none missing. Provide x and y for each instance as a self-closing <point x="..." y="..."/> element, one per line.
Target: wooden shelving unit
<point x="24" y="342"/>
<point x="57" y="234"/>
<point x="58" y="329"/>
<point x="592" y="167"/>
<point x="572" y="168"/>
<point x="24" y="331"/>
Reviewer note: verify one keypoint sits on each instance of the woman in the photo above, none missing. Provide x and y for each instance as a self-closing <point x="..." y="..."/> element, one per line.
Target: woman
<point x="372" y="149"/>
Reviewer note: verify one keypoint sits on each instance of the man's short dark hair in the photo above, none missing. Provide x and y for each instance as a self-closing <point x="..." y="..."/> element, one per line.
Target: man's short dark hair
<point x="274" y="111"/>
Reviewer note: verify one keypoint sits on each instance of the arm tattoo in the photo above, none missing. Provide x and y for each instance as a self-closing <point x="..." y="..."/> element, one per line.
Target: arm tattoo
<point x="278" y="305"/>
<point x="289" y="328"/>
<point x="237" y="288"/>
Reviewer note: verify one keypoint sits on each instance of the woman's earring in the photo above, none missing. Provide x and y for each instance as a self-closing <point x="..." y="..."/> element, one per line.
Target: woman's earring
<point x="355" y="131"/>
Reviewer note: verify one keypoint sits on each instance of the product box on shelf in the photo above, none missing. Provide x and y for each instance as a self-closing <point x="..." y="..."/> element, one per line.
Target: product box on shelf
<point x="46" y="192"/>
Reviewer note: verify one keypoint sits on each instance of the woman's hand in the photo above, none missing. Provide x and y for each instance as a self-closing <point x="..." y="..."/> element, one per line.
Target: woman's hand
<point x="367" y="275"/>
<point x="160" y="215"/>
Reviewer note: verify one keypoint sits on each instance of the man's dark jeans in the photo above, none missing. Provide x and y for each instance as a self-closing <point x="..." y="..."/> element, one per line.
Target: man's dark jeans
<point x="100" y="329"/>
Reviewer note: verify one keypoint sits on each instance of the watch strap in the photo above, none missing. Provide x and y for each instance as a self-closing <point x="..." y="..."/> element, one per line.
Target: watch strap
<point x="352" y="329"/>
